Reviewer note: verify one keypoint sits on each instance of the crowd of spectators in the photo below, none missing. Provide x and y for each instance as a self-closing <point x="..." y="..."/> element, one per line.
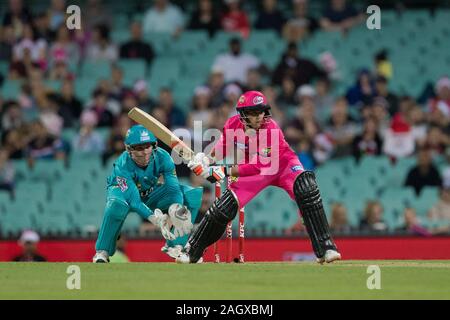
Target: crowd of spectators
<point x="39" y="47"/>
<point x="368" y="120"/>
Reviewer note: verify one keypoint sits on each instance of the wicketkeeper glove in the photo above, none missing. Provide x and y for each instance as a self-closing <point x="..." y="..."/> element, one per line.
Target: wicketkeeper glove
<point x="162" y="220"/>
<point x="180" y="217"/>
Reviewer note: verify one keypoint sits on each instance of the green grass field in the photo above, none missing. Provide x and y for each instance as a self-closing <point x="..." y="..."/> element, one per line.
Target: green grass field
<point x="343" y="280"/>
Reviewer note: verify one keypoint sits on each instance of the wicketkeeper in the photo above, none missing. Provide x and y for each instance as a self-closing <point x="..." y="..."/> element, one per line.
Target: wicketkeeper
<point x="143" y="179"/>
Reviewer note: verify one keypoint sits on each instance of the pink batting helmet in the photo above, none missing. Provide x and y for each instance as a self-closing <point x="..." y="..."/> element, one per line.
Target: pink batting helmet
<point x="252" y="100"/>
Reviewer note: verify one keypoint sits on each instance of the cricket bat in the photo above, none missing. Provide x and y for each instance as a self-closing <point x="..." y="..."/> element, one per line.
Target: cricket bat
<point x="161" y="132"/>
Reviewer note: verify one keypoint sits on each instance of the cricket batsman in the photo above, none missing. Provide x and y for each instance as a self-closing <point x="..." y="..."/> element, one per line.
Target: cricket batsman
<point x="143" y="180"/>
<point x="264" y="159"/>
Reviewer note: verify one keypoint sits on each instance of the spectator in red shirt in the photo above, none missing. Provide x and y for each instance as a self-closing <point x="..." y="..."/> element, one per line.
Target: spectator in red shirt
<point x="235" y="19"/>
<point x="399" y="140"/>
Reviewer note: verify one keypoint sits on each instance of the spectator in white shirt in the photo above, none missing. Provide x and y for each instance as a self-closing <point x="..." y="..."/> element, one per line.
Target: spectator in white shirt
<point x="37" y="48"/>
<point x="164" y="17"/>
<point x="236" y="64"/>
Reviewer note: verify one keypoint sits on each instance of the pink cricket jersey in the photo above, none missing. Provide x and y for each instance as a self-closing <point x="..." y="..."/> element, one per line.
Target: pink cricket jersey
<point x="264" y="152"/>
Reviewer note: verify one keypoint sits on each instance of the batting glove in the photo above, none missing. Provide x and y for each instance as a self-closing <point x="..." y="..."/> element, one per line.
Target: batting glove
<point x="199" y="163"/>
<point x="214" y="174"/>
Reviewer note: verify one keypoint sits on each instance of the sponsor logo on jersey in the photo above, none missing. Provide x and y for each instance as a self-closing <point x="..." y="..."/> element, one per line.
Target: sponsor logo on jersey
<point x="258" y="100"/>
<point x="144" y="136"/>
<point x="266" y="151"/>
<point x="297" y="168"/>
<point x="122" y="182"/>
<point x="143" y="193"/>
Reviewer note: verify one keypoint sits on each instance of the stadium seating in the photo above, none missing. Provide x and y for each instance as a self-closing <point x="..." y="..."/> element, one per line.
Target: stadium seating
<point x="4" y="67"/>
<point x="54" y="198"/>
<point x="96" y="70"/>
<point x="272" y="209"/>
<point x="120" y="35"/>
<point x="10" y="89"/>
<point x="164" y="72"/>
<point x="428" y="197"/>
<point x="84" y="86"/>
<point x="190" y="43"/>
<point x="133" y="69"/>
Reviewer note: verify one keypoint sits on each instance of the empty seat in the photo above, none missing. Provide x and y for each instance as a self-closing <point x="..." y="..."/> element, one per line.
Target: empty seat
<point x="10" y="89"/>
<point x="271" y="209"/>
<point x="161" y="42"/>
<point x="189" y="43"/>
<point x="428" y="197"/>
<point x="96" y="69"/>
<point x="4" y="67"/>
<point x="134" y="69"/>
<point x="84" y="87"/>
